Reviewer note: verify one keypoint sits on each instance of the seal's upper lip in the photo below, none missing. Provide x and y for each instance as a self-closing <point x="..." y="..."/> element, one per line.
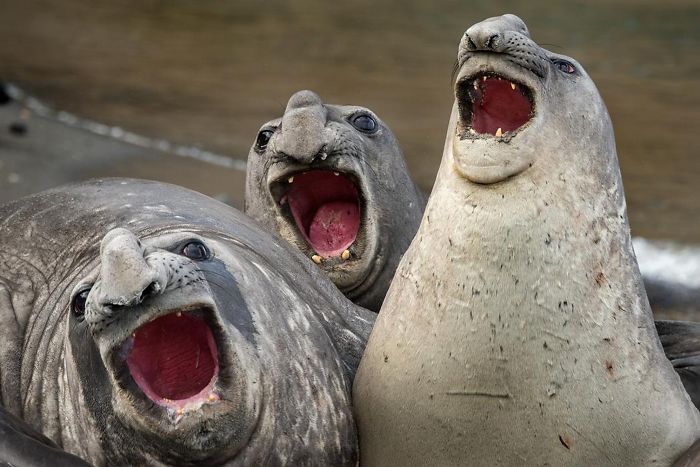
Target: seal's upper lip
<point x="492" y="104"/>
<point x="324" y="205"/>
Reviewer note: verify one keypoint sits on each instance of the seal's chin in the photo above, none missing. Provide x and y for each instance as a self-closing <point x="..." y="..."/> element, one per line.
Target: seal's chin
<point x="325" y="208"/>
<point x="491" y="104"/>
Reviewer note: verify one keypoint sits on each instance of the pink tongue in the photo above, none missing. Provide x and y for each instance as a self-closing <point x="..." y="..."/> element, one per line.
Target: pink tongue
<point x="334" y="227"/>
<point x="326" y="208"/>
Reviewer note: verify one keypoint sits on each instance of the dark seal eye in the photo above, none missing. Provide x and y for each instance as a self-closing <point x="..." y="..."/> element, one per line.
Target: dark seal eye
<point x="263" y="138"/>
<point x="196" y="251"/>
<point x="365" y="123"/>
<point x="563" y="65"/>
<point x="79" y="301"/>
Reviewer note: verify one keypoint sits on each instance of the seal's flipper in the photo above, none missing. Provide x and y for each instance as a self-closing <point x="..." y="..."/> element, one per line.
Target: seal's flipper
<point x="22" y="445"/>
<point x="681" y="342"/>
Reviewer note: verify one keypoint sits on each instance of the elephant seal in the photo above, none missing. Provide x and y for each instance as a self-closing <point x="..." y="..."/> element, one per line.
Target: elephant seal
<point x="143" y="323"/>
<point x="331" y="180"/>
<point x="518" y="317"/>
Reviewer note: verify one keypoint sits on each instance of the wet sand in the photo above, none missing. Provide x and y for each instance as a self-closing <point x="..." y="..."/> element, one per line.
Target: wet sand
<point x="209" y="73"/>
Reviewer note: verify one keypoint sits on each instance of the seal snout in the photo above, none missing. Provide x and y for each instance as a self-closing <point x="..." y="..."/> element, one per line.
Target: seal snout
<point x="126" y="276"/>
<point x="301" y="133"/>
<point x="491" y="35"/>
<point x="503" y="41"/>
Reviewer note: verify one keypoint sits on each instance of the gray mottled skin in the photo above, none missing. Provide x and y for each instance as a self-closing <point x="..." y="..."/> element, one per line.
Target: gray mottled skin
<point x="314" y="135"/>
<point x="681" y="341"/>
<point x="672" y="299"/>
<point x="288" y="342"/>
<point x="518" y="317"/>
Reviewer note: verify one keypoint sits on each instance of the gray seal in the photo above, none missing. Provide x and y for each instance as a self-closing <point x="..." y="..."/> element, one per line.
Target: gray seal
<point x="331" y="180"/>
<point x="143" y="323"/>
<point x="518" y="318"/>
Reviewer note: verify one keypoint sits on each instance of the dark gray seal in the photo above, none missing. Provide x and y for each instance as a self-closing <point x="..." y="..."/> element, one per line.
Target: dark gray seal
<point x="332" y="181"/>
<point x="143" y="323"/>
<point x="517" y="330"/>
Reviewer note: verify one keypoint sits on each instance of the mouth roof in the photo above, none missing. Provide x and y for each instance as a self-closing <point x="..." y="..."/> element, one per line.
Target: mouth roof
<point x="173" y="359"/>
<point x="325" y="206"/>
<point x="493" y="105"/>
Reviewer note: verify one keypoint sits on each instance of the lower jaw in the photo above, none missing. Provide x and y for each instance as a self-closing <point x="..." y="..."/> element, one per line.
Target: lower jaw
<point x="175" y="411"/>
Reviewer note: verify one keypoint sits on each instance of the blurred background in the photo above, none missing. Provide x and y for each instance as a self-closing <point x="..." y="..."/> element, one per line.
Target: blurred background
<point x="176" y="90"/>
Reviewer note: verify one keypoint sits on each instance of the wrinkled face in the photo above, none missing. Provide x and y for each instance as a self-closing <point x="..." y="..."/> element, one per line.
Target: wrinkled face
<point x="324" y="178"/>
<point x="200" y="357"/>
<point x="322" y="203"/>
<point x="517" y="102"/>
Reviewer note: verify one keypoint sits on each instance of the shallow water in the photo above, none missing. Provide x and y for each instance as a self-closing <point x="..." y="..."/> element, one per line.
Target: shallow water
<point x="209" y="73"/>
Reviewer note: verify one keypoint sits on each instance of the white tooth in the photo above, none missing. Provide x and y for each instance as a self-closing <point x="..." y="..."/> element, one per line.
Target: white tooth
<point x="345" y="255"/>
<point x="290" y="179"/>
<point x="476" y="86"/>
<point x="336" y="173"/>
<point x="483" y="78"/>
<point x="178" y="314"/>
<point x="499" y="78"/>
<point x="472" y="131"/>
<point x="512" y="85"/>
<point x="316" y="259"/>
<point x="499" y="133"/>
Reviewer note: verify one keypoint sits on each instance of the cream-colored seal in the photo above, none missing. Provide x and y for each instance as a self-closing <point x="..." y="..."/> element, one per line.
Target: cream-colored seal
<point x="517" y="330"/>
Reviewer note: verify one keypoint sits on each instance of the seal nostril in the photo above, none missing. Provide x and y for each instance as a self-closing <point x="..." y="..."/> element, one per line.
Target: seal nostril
<point x="492" y="41"/>
<point x="470" y="43"/>
<point x="152" y="289"/>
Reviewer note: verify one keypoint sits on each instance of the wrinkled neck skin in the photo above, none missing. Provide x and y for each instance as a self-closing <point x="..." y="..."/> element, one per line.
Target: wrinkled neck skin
<point x="40" y="382"/>
<point x="518" y="317"/>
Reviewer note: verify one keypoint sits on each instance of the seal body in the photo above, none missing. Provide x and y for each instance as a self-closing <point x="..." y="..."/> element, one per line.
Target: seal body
<point x="518" y="317"/>
<point x="332" y="181"/>
<point x="144" y="323"/>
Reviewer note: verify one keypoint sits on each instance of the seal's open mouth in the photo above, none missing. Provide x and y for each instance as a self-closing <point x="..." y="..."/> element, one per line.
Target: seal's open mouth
<point x="174" y="360"/>
<point x="490" y="104"/>
<point x="325" y="207"/>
